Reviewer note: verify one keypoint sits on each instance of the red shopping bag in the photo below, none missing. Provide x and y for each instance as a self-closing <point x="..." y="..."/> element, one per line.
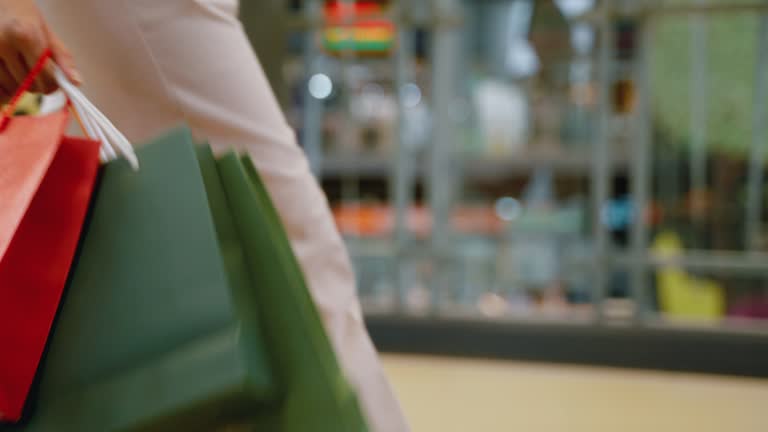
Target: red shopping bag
<point x="46" y="181"/>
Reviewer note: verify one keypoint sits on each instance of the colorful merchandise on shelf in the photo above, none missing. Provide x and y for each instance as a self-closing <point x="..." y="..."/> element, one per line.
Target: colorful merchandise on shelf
<point x="680" y="294"/>
<point x="360" y="27"/>
<point x="377" y="220"/>
<point x="502" y="116"/>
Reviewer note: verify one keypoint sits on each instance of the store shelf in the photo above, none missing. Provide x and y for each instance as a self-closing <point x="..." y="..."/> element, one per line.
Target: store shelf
<point x="564" y="164"/>
<point x="475" y="169"/>
<point x="717" y="262"/>
<point x="717" y="351"/>
<point x="356" y="166"/>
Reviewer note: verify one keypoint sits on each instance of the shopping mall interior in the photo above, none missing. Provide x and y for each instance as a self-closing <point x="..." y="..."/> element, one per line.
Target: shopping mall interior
<point x="556" y="211"/>
<point x="556" y="208"/>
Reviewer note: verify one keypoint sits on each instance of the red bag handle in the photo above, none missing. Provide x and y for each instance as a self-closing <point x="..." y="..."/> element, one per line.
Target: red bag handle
<point x="23" y="88"/>
<point x="109" y="135"/>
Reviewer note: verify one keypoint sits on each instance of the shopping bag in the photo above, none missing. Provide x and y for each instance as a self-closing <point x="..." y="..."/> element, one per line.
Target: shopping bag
<point x="315" y="395"/>
<point x="46" y="180"/>
<point x="158" y="331"/>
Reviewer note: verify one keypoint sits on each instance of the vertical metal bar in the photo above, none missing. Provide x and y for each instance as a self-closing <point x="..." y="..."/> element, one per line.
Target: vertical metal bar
<point x="313" y="108"/>
<point x="641" y="175"/>
<point x="759" y="137"/>
<point x="600" y="176"/>
<point x="350" y="184"/>
<point x="698" y="101"/>
<point x="446" y="46"/>
<point x="402" y="177"/>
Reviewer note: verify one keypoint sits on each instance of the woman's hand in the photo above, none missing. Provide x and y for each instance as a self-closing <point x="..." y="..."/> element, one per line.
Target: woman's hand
<point x="24" y="36"/>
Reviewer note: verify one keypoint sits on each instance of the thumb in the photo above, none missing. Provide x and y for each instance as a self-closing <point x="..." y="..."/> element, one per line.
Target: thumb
<point x="64" y="59"/>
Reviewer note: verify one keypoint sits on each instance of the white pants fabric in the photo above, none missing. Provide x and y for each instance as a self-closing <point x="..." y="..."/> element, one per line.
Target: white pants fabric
<point x="153" y="64"/>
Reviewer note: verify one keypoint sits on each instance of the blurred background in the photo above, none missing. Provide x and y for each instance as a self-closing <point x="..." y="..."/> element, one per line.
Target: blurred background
<point x="556" y="208"/>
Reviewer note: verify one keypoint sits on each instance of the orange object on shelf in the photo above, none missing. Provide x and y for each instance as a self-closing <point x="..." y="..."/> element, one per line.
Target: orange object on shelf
<point x="624" y="96"/>
<point x="377" y="220"/>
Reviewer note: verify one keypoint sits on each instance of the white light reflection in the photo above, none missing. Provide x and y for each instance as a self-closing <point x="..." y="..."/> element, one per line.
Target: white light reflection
<point x="574" y="8"/>
<point x="320" y="86"/>
<point x="411" y="94"/>
<point x="508" y="209"/>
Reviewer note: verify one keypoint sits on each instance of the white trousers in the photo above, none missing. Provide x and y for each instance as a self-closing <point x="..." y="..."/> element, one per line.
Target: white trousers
<point x="152" y="64"/>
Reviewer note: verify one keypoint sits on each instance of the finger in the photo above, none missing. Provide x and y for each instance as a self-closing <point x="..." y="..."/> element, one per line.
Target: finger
<point x="8" y="83"/>
<point x="5" y="95"/>
<point x="63" y="57"/>
<point x="18" y="64"/>
<point x="30" y="43"/>
<point x="37" y="83"/>
<point x="46" y="82"/>
<point x="41" y="83"/>
<point x="16" y="69"/>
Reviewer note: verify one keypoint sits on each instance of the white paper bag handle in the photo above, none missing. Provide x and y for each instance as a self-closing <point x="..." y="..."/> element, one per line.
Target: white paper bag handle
<point x="96" y="124"/>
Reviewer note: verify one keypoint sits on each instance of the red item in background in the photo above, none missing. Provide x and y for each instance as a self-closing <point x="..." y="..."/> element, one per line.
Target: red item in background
<point x="753" y="307"/>
<point x="335" y="11"/>
<point x="375" y="220"/>
<point x="46" y="181"/>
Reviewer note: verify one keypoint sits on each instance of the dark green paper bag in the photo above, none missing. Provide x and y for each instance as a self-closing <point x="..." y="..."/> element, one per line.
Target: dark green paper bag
<point x="315" y="397"/>
<point x="159" y="329"/>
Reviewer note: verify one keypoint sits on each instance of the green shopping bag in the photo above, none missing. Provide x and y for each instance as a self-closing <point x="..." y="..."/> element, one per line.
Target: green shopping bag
<point x="159" y="330"/>
<point x="315" y="395"/>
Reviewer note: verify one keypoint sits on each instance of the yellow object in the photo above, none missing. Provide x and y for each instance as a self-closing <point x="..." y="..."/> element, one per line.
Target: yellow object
<point x="680" y="294"/>
<point x="29" y="104"/>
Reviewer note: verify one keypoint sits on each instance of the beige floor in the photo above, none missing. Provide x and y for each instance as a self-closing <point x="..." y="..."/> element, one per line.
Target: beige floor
<point x="452" y="395"/>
